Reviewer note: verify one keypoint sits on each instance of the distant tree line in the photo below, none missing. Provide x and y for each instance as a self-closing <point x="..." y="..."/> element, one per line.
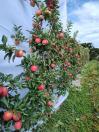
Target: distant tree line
<point x="94" y="52"/>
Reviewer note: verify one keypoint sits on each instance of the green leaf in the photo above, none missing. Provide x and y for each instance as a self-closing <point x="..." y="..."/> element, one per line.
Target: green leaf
<point x="4" y="39"/>
<point x="1" y="46"/>
<point x="10" y="55"/>
<point x="9" y="77"/>
<point x="6" y="56"/>
<point x="13" y="58"/>
<point x="5" y="102"/>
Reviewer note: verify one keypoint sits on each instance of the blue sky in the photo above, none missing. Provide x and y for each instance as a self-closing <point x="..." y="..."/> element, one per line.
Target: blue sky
<point x="84" y="14"/>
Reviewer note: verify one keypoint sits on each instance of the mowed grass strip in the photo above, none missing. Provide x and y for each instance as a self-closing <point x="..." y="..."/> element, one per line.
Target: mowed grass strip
<point x="90" y="79"/>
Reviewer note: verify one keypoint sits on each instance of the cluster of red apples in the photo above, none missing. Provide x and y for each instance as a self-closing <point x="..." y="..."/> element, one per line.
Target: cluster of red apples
<point x="8" y="115"/>
<point x="35" y="38"/>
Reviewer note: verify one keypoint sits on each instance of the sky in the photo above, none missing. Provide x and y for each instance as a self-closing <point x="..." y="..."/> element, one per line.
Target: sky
<point x="84" y="14"/>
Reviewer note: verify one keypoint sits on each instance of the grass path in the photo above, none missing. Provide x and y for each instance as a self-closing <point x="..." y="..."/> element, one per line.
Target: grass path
<point x="75" y="115"/>
<point x="90" y="81"/>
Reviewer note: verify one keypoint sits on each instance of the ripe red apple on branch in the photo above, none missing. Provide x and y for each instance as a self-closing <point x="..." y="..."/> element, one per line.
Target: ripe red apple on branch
<point x="38" y="12"/>
<point x="60" y="35"/>
<point x="34" y="68"/>
<point x="45" y="42"/>
<point x="70" y="75"/>
<point x="3" y="91"/>
<point x="17" y="41"/>
<point x="19" y="53"/>
<point x="7" y="116"/>
<point x="53" y="65"/>
<point x="16" y="116"/>
<point x="27" y="78"/>
<point x="67" y="64"/>
<point x="32" y="3"/>
<point x="37" y="40"/>
<point x="50" y="4"/>
<point x="70" y="50"/>
<point x="77" y="56"/>
<point x="50" y="103"/>
<point x="41" y="87"/>
<point x="18" y="125"/>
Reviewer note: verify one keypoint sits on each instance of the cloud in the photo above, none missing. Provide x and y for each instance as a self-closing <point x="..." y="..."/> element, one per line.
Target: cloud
<point x="63" y="12"/>
<point x="87" y="22"/>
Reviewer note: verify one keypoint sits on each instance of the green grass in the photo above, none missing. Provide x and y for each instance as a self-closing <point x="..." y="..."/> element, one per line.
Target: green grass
<point x="75" y="115"/>
<point x="79" y="112"/>
<point x="90" y="79"/>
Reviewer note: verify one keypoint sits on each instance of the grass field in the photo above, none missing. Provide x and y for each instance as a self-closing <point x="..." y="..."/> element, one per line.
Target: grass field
<point x="80" y="113"/>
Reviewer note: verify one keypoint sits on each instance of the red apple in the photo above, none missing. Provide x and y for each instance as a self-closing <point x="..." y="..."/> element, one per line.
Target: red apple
<point x="32" y="3"/>
<point x="70" y="50"/>
<point x="50" y="4"/>
<point x="4" y="92"/>
<point x="64" y="68"/>
<point x="70" y="75"/>
<point x="27" y="78"/>
<point x="38" y="12"/>
<point x="53" y="65"/>
<point x="18" y="125"/>
<point x="37" y="40"/>
<point x="50" y="103"/>
<point x="41" y="87"/>
<point x="34" y="68"/>
<point x="66" y="48"/>
<point x="68" y="64"/>
<point x="45" y="42"/>
<point x="7" y="116"/>
<point x="60" y="35"/>
<point x="78" y="56"/>
<point x="19" y="53"/>
<point x="16" y="116"/>
<point x="17" y="41"/>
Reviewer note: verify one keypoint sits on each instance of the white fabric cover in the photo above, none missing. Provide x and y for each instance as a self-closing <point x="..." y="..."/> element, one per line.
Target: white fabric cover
<point x="12" y="12"/>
